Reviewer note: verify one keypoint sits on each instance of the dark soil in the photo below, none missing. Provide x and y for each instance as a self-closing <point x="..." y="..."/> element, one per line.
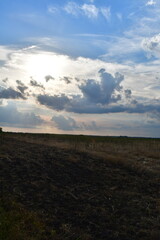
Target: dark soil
<point x="80" y="196"/>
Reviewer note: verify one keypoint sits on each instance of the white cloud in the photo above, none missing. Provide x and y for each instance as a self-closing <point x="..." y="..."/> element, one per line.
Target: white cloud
<point x="152" y="45"/>
<point x="72" y="8"/>
<point x="90" y="10"/>
<point x="106" y="12"/>
<point x="52" y="9"/>
<point x="4" y="53"/>
<point x="150" y="3"/>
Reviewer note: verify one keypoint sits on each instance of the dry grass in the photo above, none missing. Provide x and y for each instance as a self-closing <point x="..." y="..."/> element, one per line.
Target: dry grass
<point x="139" y="154"/>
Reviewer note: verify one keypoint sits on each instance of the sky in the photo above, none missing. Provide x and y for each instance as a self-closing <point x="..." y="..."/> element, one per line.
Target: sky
<point x="81" y="67"/>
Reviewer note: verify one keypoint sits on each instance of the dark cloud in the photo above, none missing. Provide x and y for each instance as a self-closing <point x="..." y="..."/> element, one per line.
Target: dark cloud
<point x="128" y="93"/>
<point x="5" y="80"/>
<point x="107" y="91"/>
<point x="9" y="115"/>
<point x="77" y="79"/>
<point x="67" y="80"/>
<point x="34" y="83"/>
<point x="99" y="97"/>
<point x="10" y="93"/>
<point x="55" y="102"/>
<point x="21" y="87"/>
<point x="78" y="104"/>
<point x="49" y="77"/>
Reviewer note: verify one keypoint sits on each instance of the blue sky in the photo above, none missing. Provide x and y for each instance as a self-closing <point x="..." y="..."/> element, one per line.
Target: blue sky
<point x="89" y="66"/>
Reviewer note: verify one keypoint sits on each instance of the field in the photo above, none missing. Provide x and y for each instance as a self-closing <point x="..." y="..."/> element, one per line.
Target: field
<point x="65" y="187"/>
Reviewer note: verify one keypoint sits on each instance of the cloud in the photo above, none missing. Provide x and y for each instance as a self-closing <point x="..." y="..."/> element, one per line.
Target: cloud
<point x="56" y="102"/>
<point x="151" y="3"/>
<point x="119" y="16"/>
<point x="10" y="93"/>
<point x="128" y="93"/>
<point x="21" y="87"/>
<point x="106" y="12"/>
<point x="152" y="45"/>
<point x="49" y="77"/>
<point x="5" y="80"/>
<point x="90" y="10"/>
<point x="69" y="124"/>
<point x="34" y="83"/>
<point x="67" y="80"/>
<point x="105" y="96"/>
<point x="91" y="126"/>
<point x="9" y="115"/>
<point x="155" y="115"/>
<point x="65" y="123"/>
<point x="52" y="9"/>
<point x="103" y="92"/>
<point x="91" y="1"/>
<point x="72" y="8"/>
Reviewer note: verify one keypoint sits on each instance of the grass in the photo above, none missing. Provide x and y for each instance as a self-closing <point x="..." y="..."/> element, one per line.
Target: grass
<point x="18" y="223"/>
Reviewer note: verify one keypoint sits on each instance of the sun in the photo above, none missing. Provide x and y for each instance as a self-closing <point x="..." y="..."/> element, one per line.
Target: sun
<point x="39" y="65"/>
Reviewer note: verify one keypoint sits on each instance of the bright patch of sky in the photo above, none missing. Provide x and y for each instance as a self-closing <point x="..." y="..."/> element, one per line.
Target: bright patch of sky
<point x="65" y="63"/>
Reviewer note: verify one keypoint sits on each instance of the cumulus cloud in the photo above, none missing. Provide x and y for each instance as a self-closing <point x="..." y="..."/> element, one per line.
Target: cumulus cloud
<point x="34" y="83"/>
<point x="57" y="102"/>
<point x="9" y="115"/>
<point x="152" y="46"/>
<point x="128" y="93"/>
<point x="65" y="123"/>
<point x="105" y="91"/>
<point x="49" y="77"/>
<point x="100" y="97"/>
<point x="67" y="80"/>
<point x="10" y="93"/>
<point x="69" y="124"/>
<point x="21" y="87"/>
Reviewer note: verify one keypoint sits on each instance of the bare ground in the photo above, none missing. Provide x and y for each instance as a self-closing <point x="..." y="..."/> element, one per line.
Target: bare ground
<point x="82" y="195"/>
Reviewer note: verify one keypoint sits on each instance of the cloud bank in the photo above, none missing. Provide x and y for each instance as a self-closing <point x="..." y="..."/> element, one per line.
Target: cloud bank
<point x="105" y="96"/>
<point x="10" y="116"/>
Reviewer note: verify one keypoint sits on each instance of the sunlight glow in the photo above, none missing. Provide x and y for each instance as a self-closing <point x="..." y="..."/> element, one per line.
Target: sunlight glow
<point x="41" y="64"/>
